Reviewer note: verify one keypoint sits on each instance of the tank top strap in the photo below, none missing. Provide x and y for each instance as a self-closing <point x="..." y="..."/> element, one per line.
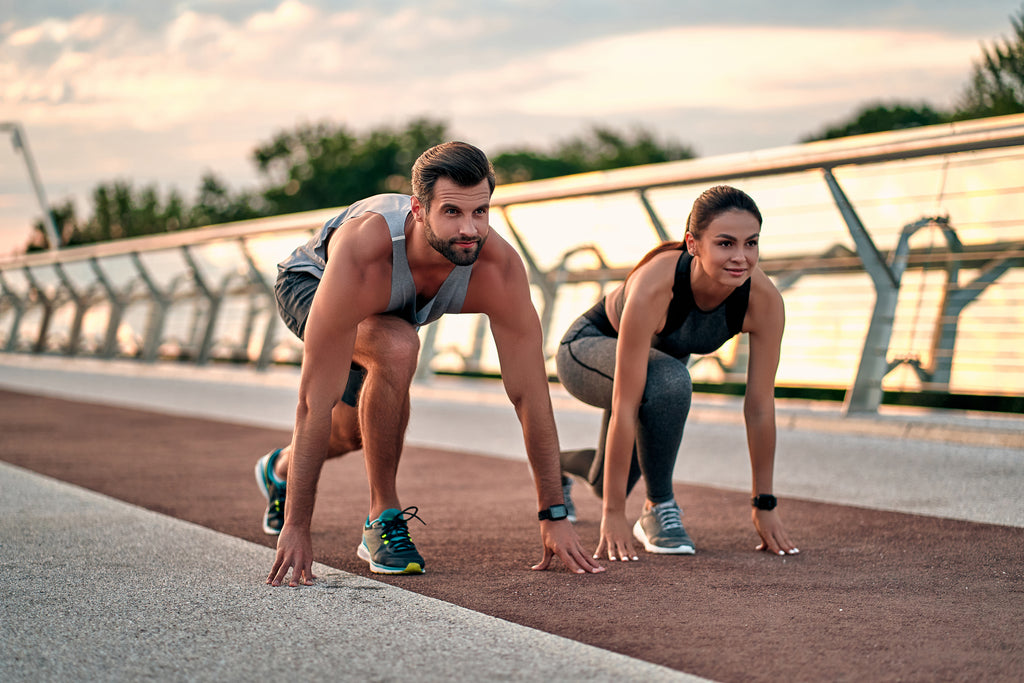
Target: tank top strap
<point x="403" y="288"/>
<point x="683" y="302"/>
<point x="449" y="298"/>
<point x="682" y="295"/>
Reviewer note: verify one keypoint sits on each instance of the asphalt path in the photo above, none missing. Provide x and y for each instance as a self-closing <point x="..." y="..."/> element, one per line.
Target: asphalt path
<point x="877" y="593"/>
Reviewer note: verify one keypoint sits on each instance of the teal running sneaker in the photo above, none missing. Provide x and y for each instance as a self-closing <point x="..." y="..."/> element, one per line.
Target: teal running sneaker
<point x="273" y="491"/>
<point x="387" y="545"/>
<point x="570" y="508"/>
<point x="661" y="530"/>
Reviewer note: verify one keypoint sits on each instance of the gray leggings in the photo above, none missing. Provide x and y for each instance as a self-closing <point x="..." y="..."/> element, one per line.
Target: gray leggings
<point x="586" y="365"/>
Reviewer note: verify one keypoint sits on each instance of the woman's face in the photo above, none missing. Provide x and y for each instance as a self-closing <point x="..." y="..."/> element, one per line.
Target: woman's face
<point x="728" y="247"/>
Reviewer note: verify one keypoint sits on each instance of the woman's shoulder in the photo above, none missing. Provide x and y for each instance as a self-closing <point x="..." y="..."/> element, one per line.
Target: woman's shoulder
<point x="765" y="305"/>
<point x="660" y="267"/>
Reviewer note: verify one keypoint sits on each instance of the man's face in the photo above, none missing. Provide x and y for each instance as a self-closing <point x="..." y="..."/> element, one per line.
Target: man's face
<point x="457" y="224"/>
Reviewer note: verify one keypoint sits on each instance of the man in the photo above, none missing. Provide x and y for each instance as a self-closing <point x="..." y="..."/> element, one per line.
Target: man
<point x="379" y="270"/>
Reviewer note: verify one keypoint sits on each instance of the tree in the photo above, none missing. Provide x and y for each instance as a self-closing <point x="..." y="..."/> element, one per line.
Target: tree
<point x="216" y="204"/>
<point x="876" y="118"/>
<point x="66" y="223"/>
<point x="323" y="165"/>
<point x="997" y="82"/>
<point x="601" y="149"/>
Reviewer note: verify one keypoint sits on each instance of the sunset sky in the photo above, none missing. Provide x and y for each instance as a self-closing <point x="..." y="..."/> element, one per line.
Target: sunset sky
<point x="159" y="93"/>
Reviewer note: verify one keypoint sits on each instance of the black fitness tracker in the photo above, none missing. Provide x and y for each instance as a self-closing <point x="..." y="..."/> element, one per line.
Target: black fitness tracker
<point x="764" y="501"/>
<point x="554" y="513"/>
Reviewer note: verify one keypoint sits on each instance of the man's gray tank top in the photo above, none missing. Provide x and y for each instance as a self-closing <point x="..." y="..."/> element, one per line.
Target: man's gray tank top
<point x="394" y="208"/>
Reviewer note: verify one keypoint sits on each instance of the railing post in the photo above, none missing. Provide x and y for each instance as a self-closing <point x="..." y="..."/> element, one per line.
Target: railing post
<point x="157" y="313"/>
<point x="267" y="292"/>
<point x="656" y="223"/>
<point x="19" y="312"/>
<point x="81" y="306"/>
<point x="954" y="301"/>
<point x="48" y="304"/>
<point x="865" y="395"/>
<point x="118" y="303"/>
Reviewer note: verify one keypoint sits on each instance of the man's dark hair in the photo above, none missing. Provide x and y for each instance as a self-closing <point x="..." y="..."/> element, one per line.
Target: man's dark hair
<point x="460" y="162"/>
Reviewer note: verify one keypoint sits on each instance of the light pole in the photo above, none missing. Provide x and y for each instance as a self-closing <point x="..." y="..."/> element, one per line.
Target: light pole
<point x="20" y="143"/>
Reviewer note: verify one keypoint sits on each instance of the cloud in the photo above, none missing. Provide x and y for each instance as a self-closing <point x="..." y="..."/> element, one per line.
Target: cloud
<point x="744" y="69"/>
<point x="362" y="65"/>
<point x="163" y="95"/>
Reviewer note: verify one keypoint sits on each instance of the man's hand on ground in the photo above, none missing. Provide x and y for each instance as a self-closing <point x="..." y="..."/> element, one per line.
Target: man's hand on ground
<point x="295" y="552"/>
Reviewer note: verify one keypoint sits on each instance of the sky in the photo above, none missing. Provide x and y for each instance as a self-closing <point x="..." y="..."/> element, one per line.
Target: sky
<point x="161" y="93"/>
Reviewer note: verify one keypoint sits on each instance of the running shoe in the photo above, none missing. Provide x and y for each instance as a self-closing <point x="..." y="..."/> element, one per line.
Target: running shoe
<point x="273" y="491"/>
<point x="661" y="530"/>
<point x="567" y="497"/>
<point x="387" y="545"/>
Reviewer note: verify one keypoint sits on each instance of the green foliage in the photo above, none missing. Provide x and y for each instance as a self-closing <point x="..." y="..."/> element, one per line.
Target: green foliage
<point x="876" y="118"/>
<point x="601" y="149"/>
<point x="322" y="165"/>
<point x="996" y="87"/>
<point x="119" y="211"/>
<point x="215" y="204"/>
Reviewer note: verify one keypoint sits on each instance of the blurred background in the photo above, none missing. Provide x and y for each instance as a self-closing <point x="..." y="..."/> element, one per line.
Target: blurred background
<point x="182" y="150"/>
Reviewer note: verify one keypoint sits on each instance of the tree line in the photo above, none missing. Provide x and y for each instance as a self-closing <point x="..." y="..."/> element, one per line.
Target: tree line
<point x="326" y="164"/>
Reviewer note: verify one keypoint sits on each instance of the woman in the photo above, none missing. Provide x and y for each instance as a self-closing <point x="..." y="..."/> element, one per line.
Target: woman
<point x="628" y="355"/>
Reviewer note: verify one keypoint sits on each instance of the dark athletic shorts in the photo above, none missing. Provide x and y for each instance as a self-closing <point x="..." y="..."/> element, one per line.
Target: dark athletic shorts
<point x="294" y="292"/>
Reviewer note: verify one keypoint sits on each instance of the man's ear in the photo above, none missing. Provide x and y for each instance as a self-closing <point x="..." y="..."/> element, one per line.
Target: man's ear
<point x="417" y="208"/>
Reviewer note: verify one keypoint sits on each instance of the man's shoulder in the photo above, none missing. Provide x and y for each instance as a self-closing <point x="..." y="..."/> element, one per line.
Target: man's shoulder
<point x="365" y="238"/>
<point x="498" y="255"/>
<point x="499" y="278"/>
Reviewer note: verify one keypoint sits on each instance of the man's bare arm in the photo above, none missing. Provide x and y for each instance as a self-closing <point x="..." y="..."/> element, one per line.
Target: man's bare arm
<point x="503" y="293"/>
<point x="349" y="292"/>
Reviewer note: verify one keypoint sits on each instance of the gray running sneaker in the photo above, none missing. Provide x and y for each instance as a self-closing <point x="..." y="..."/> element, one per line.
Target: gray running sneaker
<point x="387" y="545"/>
<point x="661" y="530"/>
<point x="567" y="496"/>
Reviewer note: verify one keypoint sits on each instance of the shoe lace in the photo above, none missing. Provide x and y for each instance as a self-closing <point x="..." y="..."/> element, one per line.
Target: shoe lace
<point x="396" y="529"/>
<point x="668" y="515"/>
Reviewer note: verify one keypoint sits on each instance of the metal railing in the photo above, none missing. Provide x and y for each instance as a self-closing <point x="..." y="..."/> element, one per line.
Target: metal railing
<point x="842" y="238"/>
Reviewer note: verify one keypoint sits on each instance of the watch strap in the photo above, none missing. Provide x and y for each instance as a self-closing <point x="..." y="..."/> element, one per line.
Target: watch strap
<point x="764" y="501"/>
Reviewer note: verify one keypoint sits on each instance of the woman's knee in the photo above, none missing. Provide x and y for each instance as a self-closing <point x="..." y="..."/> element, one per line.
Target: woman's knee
<point x="668" y="385"/>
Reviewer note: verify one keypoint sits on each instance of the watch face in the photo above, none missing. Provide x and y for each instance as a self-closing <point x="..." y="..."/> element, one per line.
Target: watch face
<point x="558" y="512"/>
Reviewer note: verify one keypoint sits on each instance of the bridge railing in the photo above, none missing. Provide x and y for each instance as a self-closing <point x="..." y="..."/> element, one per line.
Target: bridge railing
<point x="898" y="255"/>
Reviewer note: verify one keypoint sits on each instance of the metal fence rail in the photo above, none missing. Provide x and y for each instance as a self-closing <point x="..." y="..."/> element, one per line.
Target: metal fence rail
<point x="899" y="256"/>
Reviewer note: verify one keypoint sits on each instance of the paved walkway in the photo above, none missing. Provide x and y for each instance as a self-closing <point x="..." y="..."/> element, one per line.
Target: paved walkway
<point x="87" y="601"/>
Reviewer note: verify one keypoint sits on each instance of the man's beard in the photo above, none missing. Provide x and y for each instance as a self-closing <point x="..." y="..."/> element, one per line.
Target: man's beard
<point x="457" y="255"/>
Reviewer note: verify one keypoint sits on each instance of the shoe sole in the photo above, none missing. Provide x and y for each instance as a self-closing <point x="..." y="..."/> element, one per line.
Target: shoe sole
<point x="412" y="568"/>
<point x="261" y="468"/>
<point x="638" y="533"/>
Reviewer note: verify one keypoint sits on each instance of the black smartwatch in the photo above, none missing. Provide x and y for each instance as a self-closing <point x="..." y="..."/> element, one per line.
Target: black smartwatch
<point x="764" y="501"/>
<point x="554" y="513"/>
